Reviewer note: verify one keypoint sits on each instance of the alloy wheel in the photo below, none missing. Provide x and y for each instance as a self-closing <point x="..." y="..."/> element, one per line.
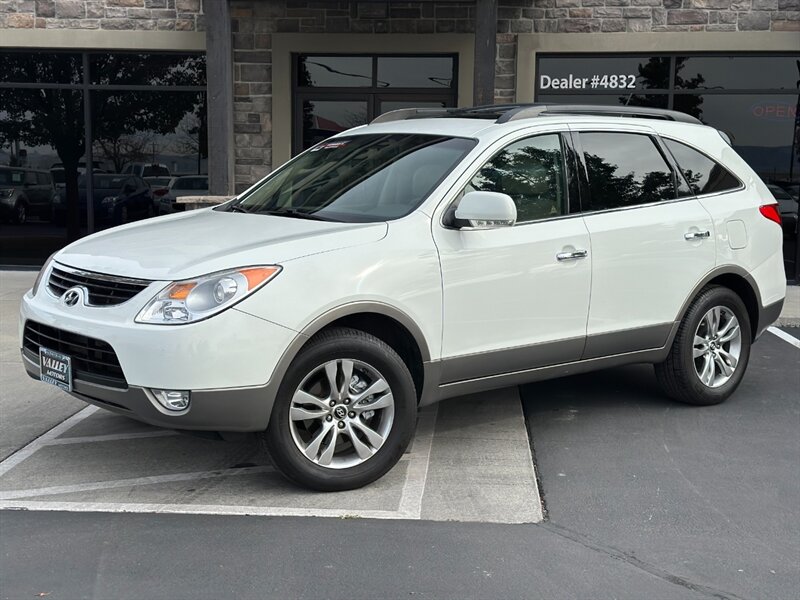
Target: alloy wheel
<point x="717" y="346"/>
<point x="341" y="413"/>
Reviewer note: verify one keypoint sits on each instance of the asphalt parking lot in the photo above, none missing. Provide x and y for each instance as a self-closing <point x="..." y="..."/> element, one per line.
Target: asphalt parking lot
<point x="641" y="498"/>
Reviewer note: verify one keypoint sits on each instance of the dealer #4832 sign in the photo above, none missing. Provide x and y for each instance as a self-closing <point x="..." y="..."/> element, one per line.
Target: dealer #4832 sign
<point x="593" y="82"/>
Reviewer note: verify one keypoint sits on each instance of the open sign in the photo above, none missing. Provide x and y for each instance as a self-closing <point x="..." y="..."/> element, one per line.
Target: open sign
<point x="774" y="111"/>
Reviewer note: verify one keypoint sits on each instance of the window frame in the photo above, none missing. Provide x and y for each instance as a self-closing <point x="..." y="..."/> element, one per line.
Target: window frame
<point x="585" y="194"/>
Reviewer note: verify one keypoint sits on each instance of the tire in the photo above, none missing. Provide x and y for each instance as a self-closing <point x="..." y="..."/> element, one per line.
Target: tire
<point x="20" y="215"/>
<point x="342" y="467"/>
<point x="689" y="378"/>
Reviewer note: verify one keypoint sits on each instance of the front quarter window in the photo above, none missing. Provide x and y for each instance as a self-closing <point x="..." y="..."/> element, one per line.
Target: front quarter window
<point x="364" y="178"/>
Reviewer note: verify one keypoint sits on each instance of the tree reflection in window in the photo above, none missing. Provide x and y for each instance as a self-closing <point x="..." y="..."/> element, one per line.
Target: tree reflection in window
<point x="531" y="171"/>
<point x="625" y="170"/>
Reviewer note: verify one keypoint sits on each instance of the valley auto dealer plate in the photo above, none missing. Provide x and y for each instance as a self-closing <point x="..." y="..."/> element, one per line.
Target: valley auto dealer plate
<point x="56" y="368"/>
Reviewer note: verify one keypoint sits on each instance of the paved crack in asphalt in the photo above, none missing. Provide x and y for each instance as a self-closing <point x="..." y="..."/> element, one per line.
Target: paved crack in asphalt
<point x="631" y="560"/>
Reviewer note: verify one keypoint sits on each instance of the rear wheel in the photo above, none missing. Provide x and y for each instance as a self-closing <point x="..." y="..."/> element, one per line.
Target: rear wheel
<point x="711" y="350"/>
<point x="344" y="414"/>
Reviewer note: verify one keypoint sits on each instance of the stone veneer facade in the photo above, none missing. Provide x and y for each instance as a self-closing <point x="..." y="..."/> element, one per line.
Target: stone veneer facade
<point x="149" y="15"/>
<point x="254" y="22"/>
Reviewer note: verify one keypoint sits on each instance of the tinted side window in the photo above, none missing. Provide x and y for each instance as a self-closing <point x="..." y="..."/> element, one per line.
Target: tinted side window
<point x="531" y="171"/>
<point x="705" y="176"/>
<point x="625" y="169"/>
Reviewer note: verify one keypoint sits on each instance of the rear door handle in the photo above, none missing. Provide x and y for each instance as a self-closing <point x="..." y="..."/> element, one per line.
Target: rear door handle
<point x="574" y="255"/>
<point x="696" y="235"/>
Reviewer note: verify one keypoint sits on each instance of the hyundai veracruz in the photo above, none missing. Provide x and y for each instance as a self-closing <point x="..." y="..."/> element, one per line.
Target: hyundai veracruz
<point x="424" y="256"/>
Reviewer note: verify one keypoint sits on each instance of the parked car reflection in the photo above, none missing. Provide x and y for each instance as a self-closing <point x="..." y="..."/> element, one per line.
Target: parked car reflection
<point x="117" y="199"/>
<point x="189" y="185"/>
<point x="24" y="193"/>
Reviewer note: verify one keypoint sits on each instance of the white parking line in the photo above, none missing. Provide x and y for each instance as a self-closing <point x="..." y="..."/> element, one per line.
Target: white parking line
<point x="121" y="483"/>
<point x="203" y="509"/>
<point x="113" y="437"/>
<point x="44" y="439"/>
<point x="784" y="336"/>
<point x="417" y="472"/>
<point x="410" y="505"/>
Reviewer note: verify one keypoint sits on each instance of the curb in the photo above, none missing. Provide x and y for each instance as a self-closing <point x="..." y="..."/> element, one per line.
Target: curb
<point x="787" y="322"/>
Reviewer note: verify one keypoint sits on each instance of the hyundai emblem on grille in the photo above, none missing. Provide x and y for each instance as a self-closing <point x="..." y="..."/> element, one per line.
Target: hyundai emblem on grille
<point x="72" y="296"/>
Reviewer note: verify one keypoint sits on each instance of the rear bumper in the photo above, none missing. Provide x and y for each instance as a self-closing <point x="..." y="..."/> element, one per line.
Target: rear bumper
<point x="234" y="409"/>
<point x="767" y="315"/>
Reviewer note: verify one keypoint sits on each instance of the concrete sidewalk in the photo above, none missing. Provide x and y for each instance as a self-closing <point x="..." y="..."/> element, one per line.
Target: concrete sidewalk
<point x="790" y="315"/>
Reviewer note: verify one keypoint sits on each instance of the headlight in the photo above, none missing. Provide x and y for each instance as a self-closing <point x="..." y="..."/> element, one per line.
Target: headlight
<point x="42" y="272"/>
<point x="196" y="299"/>
<point x="6" y="193"/>
<point x="109" y="200"/>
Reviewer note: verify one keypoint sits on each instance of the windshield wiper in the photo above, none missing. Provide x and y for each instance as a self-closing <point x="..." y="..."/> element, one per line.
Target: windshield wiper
<point x="238" y="208"/>
<point x="295" y="214"/>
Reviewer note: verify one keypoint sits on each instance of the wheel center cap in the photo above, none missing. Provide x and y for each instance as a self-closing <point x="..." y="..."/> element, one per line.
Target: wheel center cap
<point x="340" y="412"/>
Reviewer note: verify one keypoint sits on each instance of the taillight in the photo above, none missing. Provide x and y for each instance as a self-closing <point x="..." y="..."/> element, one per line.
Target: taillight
<point x="770" y="211"/>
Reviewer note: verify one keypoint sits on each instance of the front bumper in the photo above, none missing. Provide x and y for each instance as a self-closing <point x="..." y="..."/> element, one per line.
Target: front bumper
<point x="228" y="362"/>
<point x="236" y="409"/>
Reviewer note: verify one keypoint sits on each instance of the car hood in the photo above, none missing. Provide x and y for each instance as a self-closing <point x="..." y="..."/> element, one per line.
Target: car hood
<point x="198" y="242"/>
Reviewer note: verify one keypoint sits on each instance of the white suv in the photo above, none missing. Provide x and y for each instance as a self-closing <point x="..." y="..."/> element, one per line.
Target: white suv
<point x="427" y="255"/>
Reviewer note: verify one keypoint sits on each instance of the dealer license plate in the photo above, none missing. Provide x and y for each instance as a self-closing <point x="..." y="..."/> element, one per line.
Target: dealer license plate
<point x="56" y="368"/>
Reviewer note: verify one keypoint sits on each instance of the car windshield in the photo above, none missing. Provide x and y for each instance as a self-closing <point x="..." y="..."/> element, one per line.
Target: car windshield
<point x="8" y="177"/>
<point x="362" y="178"/>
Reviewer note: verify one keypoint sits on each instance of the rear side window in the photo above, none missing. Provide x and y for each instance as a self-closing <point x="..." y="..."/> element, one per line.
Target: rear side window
<point x="624" y="169"/>
<point x="705" y="176"/>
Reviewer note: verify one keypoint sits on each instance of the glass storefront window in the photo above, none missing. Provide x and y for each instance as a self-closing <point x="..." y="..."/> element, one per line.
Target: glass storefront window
<point x="737" y="72"/>
<point x="416" y="71"/>
<point x="41" y="67"/>
<point x="334" y="71"/>
<point x="147" y="69"/>
<point x="324" y="118"/>
<point x="135" y="132"/>
<point x="334" y="93"/>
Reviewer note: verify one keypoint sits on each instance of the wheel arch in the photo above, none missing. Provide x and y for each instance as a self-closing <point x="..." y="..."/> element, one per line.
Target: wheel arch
<point x="739" y="281"/>
<point x="385" y="322"/>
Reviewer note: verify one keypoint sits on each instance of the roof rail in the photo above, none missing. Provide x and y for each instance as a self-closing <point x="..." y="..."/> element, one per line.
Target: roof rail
<point x="503" y="113"/>
<point x="641" y="112"/>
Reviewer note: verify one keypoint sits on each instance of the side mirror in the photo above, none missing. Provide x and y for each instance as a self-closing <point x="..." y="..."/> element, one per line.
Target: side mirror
<point x="486" y="210"/>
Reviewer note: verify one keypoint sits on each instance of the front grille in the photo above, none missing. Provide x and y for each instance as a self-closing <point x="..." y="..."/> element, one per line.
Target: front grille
<point x="103" y="290"/>
<point x="93" y="361"/>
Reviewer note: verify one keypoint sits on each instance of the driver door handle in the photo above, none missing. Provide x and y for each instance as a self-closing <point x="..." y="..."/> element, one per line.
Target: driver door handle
<point x="696" y="235"/>
<point x="574" y="255"/>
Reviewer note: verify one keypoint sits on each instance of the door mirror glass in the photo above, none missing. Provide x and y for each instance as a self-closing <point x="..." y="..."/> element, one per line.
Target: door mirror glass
<point x="486" y="210"/>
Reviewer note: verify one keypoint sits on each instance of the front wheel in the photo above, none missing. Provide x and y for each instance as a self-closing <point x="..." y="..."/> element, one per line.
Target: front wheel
<point x="711" y="350"/>
<point x="344" y="414"/>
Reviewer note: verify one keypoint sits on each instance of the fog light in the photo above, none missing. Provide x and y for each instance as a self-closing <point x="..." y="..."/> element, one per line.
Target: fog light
<point x="173" y="399"/>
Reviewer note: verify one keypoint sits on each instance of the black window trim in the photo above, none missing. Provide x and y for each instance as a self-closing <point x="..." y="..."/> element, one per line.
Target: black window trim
<point x="584" y="171"/>
<point x="740" y="188"/>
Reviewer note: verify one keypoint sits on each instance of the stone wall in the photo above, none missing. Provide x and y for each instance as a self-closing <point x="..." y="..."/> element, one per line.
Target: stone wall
<point x="152" y="15"/>
<point x="584" y="16"/>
